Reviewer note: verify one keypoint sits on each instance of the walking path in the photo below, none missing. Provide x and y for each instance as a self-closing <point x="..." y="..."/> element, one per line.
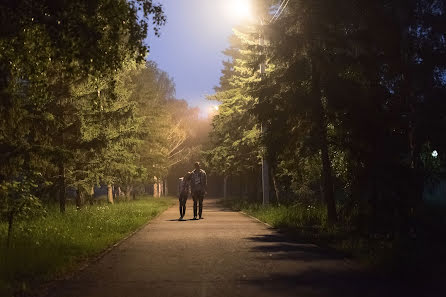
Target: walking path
<point x="226" y="254"/>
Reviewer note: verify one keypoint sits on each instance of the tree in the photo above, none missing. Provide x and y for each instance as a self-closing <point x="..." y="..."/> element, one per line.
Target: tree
<point x="18" y="202"/>
<point x="72" y="40"/>
<point x="348" y="97"/>
<point x="153" y="89"/>
<point x="235" y="138"/>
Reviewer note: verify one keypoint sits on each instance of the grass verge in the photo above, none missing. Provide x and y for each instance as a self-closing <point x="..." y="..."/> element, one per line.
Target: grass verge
<point x="307" y="222"/>
<point x="57" y="243"/>
<point x="417" y="253"/>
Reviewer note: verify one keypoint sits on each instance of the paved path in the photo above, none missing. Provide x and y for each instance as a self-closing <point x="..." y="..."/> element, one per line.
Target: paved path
<point x="226" y="254"/>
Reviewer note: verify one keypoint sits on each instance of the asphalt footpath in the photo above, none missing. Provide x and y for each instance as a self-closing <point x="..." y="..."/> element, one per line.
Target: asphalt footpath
<point x="225" y="254"/>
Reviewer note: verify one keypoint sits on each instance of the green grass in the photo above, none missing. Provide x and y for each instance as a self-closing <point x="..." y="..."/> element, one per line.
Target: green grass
<point x="57" y="243"/>
<point x="406" y="256"/>
<point x="298" y="216"/>
<point x="309" y="223"/>
<point x="303" y="222"/>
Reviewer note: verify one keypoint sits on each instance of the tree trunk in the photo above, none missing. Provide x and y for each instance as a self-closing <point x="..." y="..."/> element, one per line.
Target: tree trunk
<point x="155" y="188"/>
<point x="161" y="187"/>
<point x="166" y="189"/>
<point x="327" y="179"/>
<point x="128" y="193"/>
<point x="225" y="187"/>
<point x="62" y="194"/>
<point x="91" y="195"/>
<point x="276" y="189"/>
<point x="408" y="93"/>
<point x="241" y="186"/>
<point x="110" y="194"/>
<point x="61" y="178"/>
<point x="10" y="222"/>
<point x="79" y="198"/>
<point x="417" y="182"/>
<point x="114" y="193"/>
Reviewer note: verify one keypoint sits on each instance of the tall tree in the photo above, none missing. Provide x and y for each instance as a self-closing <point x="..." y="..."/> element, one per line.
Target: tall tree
<point x="351" y="98"/>
<point x="234" y="141"/>
<point x="49" y="46"/>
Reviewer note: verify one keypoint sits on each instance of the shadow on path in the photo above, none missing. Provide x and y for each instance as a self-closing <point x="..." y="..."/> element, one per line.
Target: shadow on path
<point x="327" y="272"/>
<point x="286" y="248"/>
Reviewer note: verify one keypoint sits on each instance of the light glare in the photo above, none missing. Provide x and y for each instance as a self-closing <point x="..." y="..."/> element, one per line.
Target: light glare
<point x="242" y="9"/>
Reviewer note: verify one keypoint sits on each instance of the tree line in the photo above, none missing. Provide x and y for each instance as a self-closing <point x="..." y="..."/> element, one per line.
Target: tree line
<point x="352" y="104"/>
<point x="80" y="106"/>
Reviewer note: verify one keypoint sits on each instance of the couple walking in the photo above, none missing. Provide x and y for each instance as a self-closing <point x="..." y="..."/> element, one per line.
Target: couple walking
<point x="196" y="183"/>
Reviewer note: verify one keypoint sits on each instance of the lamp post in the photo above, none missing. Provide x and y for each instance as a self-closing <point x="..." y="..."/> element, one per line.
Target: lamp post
<point x="243" y="10"/>
<point x="263" y="127"/>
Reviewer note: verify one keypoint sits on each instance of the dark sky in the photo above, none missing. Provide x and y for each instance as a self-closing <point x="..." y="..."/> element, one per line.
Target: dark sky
<point x="190" y="46"/>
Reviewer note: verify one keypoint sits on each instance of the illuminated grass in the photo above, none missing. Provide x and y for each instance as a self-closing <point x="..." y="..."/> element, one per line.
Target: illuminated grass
<point x="294" y="216"/>
<point x="55" y="244"/>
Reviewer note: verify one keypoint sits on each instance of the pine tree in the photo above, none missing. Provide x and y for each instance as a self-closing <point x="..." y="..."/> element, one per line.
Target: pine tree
<point x="235" y="138"/>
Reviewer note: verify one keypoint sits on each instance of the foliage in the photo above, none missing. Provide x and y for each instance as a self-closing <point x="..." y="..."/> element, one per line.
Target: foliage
<point x="351" y="102"/>
<point x="83" y="109"/>
<point x="234" y="140"/>
<point x="17" y="202"/>
<point x="80" y="107"/>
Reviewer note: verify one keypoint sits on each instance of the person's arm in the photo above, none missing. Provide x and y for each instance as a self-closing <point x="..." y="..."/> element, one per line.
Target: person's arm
<point x="205" y="181"/>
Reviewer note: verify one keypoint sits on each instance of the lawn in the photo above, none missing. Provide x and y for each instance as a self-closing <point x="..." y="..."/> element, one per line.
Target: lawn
<point x="50" y="246"/>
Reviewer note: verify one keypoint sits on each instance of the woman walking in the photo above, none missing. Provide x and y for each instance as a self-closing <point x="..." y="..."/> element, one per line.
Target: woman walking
<point x="183" y="190"/>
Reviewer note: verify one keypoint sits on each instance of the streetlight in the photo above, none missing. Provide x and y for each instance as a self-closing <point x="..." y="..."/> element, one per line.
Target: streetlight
<point x="244" y="10"/>
<point x="263" y="129"/>
<point x="213" y="110"/>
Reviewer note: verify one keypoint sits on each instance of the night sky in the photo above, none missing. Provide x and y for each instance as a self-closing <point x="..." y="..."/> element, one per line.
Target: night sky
<point x="190" y="46"/>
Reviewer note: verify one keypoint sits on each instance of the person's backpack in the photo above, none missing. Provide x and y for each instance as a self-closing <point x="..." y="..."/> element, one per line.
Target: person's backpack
<point x="196" y="181"/>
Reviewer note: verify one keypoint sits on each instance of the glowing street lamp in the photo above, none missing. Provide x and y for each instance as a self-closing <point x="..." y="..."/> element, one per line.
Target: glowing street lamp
<point x="242" y="9"/>
<point x="213" y="110"/>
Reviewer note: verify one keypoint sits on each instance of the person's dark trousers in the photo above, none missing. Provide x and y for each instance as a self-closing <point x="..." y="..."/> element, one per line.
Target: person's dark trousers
<point x="183" y="200"/>
<point x="198" y="197"/>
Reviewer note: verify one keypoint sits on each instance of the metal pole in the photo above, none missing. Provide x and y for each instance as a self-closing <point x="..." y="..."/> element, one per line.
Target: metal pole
<point x="265" y="174"/>
<point x="265" y="165"/>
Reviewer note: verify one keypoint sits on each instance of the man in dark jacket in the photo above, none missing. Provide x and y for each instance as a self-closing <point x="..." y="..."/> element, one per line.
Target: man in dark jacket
<point x="198" y="182"/>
